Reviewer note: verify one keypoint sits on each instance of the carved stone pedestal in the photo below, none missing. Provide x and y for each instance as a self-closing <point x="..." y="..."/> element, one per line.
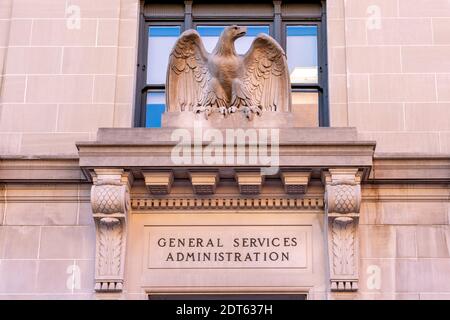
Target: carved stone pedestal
<point x="110" y="204"/>
<point x="342" y="203"/>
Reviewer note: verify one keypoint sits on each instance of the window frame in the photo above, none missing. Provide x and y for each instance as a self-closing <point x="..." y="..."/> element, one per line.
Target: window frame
<point x="142" y="87"/>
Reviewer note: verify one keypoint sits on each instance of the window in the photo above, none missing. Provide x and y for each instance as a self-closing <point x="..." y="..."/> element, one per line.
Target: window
<point x="297" y="26"/>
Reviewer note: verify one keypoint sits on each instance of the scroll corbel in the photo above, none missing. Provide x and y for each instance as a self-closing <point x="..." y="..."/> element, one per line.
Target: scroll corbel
<point x="110" y="202"/>
<point x="342" y="206"/>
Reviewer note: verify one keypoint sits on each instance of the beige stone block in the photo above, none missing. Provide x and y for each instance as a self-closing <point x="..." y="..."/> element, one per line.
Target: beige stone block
<point x="335" y="9"/>
<point x="124" y="89"/>
<point x="377" y="241"/>
<point x="336" y="32"/>
<point x="128" y="35"/>
<point x="41" y="213"/>
<point x="369" y="213"/>
<point x="413" y="213"/>
<point x="19" y="32"/>
<point x="84" y="117"/>
<point x="338" y="115"/>
<point x="85" y="215"/>
<point x="42" y="191"/>
<point x="52" y="143"/>
<point x="427" y="116"/>
<point x="19" y="242"/>
<point x="358" y="87"/>
<point x="98" y="8"/>
<point x="406" y="241"/>
<point x="434" y="296"/>
<point x="423" y="275"/>
<point x="368" y="8"/>
<point x="373" y="59"/>
<point x="433" y="241"/>
<point x="79" y="242"/>
<point x="337" y="60"/>
<point x="108" y="32"/>
<point x="377" y="276"/>
<point x="58" y="33"/>
<point x="387" y="296"/>
<point x="426" y="59"/>
<point x="24" y="281"/>
<point x="65" y="276"/>
<point x="28" y="117"/>
<point x="10" y="143"/>
<point x="444" y="139"/>
<point x="338" y="89"/>
<point x="423" y="8"/>
<point x="12" y="89"/>
<point x="126" y="61"/>
<point x="87" y="60"/>
<point x="397" y="142"/>
<point x="356" y="34"/>
<point x="123" y="115"/>
<point x="65" y="89"/>
<point x="4" y="32"/>
<point x="401" y="31"/>
<point x="443" y="87"/>
<point x="376" y="116"/>
<point x="104" y="88"/>
<point x="129" y="9"/>
<point x="33" y="60"/>
<point x="41" y="9"/>
<point x="441" y="30"/>
<point x="5" y="9"/>
<point x="402" y="88"/>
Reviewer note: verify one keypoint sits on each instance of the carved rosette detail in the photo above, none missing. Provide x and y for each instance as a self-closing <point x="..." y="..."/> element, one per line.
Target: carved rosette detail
<point x="110" y="201"/>
<point x="342" y="203"/>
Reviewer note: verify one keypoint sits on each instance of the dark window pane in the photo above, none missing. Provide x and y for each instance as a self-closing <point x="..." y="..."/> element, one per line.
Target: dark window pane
<point x="210" y="36"/>
<point x="156" y="105"/>
<point x="301" y="51"/>
<point x="160" y="43"/>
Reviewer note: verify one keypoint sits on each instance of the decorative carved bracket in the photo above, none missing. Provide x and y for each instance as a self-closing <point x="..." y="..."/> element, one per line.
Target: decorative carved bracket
<point x="204" y="182"/>
<point x="110" y="202"/>
<point x="342" y="203"/>
<point x="158" y="183"/>
<point x="250" y="183"/>
<point x="295" y="182"/>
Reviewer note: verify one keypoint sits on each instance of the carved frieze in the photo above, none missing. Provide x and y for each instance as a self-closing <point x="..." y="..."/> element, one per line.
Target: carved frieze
<point x="110" y="202"/>
<point x="342" y="205"/>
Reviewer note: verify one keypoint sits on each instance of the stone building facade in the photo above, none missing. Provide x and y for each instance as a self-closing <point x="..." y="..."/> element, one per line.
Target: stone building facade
<point x="86" y="196"/>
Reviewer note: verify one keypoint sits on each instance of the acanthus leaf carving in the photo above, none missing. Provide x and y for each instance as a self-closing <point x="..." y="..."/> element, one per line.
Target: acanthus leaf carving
<point x="110" y="202"/>
<point x="342" y="203"/>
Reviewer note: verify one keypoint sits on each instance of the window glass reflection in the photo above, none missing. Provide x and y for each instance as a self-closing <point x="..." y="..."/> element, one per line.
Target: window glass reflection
<point x="156" y="105"/>
<point x="210" y="35"/>
<point x="301" y="51"/>
<point x="160" y="43"/>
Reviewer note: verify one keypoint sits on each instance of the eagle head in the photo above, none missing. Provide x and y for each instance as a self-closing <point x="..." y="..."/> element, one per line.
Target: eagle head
<point x="234" y="32"/>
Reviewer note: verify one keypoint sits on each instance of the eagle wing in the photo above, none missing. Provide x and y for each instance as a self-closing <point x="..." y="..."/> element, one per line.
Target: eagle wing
<point x="187" y="74"/>
<point x="266" y="75"/>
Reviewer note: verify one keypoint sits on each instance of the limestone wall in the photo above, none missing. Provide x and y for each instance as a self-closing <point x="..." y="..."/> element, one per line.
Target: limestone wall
<point x="390" y="72"/>
<point x="68" y="69"/>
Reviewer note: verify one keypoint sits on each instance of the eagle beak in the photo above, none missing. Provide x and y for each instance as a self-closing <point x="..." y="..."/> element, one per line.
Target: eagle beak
<point x="242" y="32"/>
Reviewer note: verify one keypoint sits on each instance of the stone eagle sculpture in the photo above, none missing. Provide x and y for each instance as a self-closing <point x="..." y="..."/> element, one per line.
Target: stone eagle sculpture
<point x="225" y="82"/>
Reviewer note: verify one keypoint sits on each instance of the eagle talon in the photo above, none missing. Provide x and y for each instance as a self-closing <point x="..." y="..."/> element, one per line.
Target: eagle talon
<point x="223" y="110"/>
<point x="250" y="111"/>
